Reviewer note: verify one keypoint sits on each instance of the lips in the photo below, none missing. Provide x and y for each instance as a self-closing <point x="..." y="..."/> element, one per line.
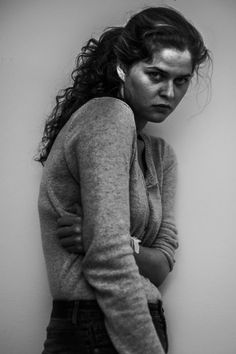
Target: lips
<point x="162" y="107"/>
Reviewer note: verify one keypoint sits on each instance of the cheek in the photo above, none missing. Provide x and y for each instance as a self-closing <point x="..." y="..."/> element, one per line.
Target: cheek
<point x="141" y="86"/>
<point x="181" y="93"/>
<point x="138" y="91"/>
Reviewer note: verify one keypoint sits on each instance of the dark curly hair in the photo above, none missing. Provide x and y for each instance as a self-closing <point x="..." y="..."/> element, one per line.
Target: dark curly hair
<point x="95" y="74"/>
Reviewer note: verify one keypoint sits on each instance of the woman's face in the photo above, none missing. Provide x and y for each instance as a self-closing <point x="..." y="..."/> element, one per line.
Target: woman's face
<point x="154" y="89"/>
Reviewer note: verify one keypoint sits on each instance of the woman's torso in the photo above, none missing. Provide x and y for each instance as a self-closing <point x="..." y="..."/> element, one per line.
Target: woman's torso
<point x="60" y="194"/>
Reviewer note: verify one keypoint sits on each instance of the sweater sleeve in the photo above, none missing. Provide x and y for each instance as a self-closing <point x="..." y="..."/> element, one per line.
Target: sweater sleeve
<point x="167" y="240"/>
<point x="102" y="146"/>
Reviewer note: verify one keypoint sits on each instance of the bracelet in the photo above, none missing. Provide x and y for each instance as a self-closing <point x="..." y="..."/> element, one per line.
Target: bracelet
<point x="134" y="241"/>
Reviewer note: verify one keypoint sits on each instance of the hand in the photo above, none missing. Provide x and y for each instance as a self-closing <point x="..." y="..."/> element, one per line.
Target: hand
<point x="69" y="233"/>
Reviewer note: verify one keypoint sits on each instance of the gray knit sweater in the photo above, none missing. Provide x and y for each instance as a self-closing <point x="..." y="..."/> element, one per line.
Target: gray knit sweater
<point x="94" y="164"/>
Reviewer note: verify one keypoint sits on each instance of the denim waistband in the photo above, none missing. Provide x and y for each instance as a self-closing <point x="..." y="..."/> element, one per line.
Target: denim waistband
<point x="83" y="313"/>
<point x="71" y="309"/>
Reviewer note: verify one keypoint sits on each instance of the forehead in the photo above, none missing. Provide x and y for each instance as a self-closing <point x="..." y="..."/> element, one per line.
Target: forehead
<point x="172" y="61"/>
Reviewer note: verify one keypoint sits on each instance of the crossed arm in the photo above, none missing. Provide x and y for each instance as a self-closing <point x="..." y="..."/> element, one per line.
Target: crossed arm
<point x="153" y="262"/>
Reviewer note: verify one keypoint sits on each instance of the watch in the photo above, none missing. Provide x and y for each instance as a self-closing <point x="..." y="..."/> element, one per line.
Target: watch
<point x="135" y="244"/>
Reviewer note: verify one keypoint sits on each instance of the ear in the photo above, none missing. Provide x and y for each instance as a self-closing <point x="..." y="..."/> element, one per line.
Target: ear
<point x="120" y="73"/>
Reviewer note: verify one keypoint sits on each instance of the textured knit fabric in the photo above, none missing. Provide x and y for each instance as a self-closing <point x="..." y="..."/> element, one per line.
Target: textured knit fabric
<point x="94" y="164"/>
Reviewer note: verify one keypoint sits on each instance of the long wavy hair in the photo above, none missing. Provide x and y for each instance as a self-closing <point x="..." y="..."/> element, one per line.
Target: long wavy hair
<point x="95" y="73"/>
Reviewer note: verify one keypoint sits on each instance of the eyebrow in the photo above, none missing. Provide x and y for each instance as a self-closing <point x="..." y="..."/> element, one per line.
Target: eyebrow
<point x="166" y="73"/>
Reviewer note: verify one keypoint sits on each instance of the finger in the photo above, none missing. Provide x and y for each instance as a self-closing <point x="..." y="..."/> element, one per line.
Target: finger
<point x="67" y="242"/>
<point x="67" y="231"/>
<point x="69" y="220"/>
<point x="74" y="250"/>
<point x="71" y="241"/>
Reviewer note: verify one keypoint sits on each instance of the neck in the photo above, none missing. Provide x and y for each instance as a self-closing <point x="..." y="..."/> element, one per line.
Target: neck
<point x="140" y="124"/>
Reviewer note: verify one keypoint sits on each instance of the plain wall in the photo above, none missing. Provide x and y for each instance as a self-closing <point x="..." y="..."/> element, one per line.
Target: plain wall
<point x="39" y="42"/>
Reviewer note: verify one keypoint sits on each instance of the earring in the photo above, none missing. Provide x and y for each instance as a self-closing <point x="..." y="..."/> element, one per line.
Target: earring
<point x="120" y="73"/>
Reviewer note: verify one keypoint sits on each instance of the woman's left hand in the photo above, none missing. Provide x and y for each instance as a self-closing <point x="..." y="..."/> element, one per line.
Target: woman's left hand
<point x="69" y="233"/>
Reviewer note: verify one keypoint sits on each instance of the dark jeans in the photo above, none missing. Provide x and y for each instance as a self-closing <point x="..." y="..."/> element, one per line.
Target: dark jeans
<point x="77" y="327"/>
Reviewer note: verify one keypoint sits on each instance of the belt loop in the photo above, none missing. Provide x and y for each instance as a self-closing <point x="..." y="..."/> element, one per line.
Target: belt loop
<point x="75" y="312"/>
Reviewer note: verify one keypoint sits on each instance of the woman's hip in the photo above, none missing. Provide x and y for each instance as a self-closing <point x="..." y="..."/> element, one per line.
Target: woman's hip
<point x="78" y="327"/>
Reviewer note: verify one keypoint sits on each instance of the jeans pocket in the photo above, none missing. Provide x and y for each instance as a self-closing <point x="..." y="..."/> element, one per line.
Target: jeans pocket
<point x="64" y="338"/>
<point x="159" y="322"/>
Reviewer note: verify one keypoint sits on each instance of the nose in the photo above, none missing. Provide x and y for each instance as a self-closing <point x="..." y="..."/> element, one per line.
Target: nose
<point x="168" y="90"/>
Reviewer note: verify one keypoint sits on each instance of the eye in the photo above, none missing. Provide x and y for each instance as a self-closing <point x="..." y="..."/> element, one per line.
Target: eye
<point x="155" y="76"/>
<point x="182" y="81"/>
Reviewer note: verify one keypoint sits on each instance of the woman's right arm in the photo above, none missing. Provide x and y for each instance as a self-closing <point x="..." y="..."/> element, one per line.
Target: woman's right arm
<point x="101" y="150"/>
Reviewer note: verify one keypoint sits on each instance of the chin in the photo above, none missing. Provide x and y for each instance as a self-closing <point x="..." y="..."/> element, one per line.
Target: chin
<point x="158" y="119"/>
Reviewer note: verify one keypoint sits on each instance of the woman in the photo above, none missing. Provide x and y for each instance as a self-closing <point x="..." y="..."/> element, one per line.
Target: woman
<point x="106" y="297"/>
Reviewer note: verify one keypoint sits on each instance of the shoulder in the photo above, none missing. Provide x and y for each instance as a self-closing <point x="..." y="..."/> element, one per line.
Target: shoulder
<point x="107" y="104"/>
<point x="103" y="112"/>
<point x="101" y="122"/>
